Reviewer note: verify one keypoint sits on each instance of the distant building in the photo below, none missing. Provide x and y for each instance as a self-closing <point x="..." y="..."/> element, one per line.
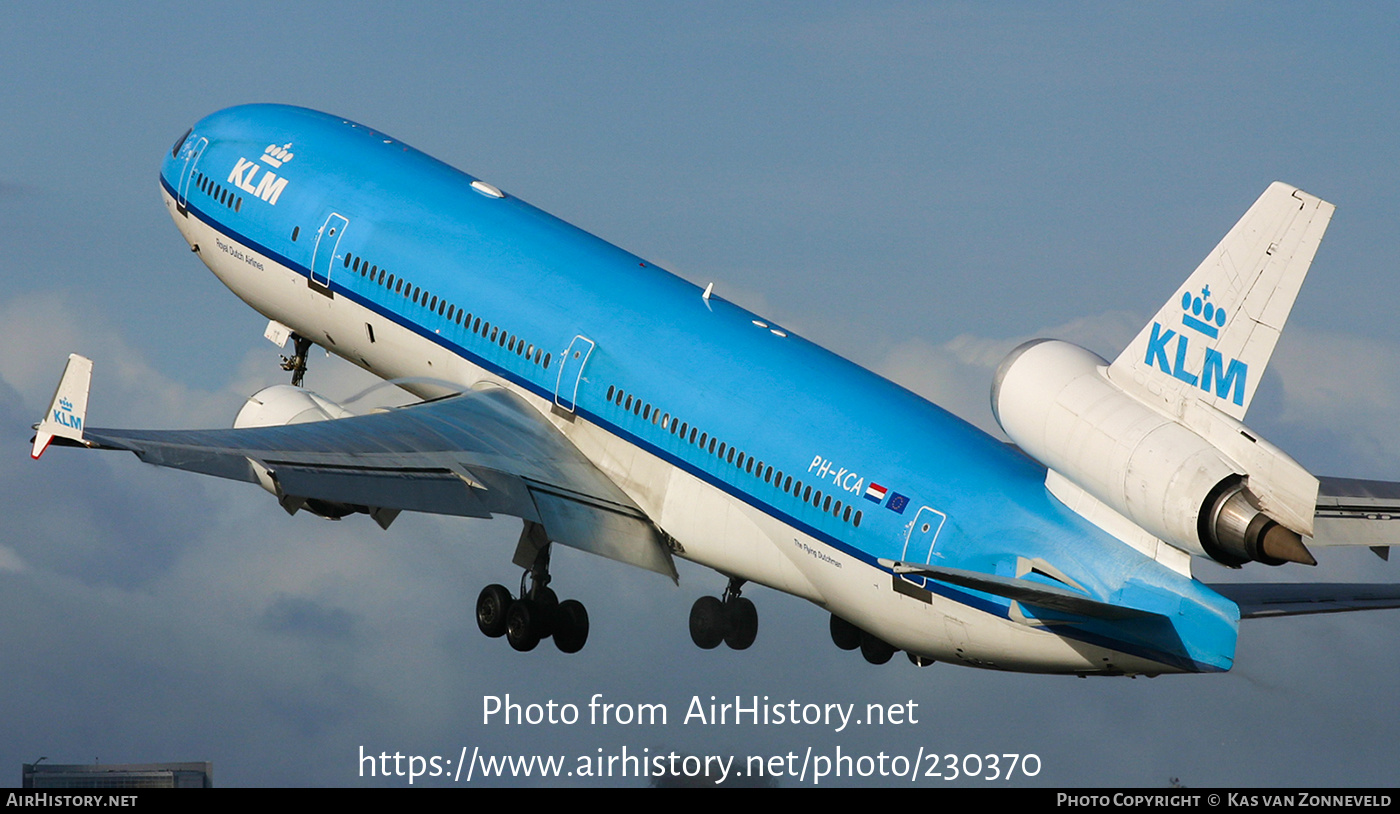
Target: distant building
<point x="119" y="776"/>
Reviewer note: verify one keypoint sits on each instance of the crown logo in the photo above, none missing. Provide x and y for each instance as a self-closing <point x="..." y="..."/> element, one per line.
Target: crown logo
<point x="277" y="156"/>
<point x="1200" y="312"/>
<point x="65" y="404"/>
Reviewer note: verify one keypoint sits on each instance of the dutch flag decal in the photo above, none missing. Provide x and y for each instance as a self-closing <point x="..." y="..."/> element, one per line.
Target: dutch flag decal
<point x="875" y="492"/>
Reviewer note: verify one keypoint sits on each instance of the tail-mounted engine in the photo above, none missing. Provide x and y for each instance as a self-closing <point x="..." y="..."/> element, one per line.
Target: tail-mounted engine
<point x="1202" y="482"/>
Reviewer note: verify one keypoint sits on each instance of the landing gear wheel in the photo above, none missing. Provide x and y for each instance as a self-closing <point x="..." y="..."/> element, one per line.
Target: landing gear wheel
<point x="875" y="649"/>
<point x="919" y="661"/>
<point x="546" y="605"/>
<point x="742" y="619"/>
<point x="521" y="630"/>
<point x="707" y="622"/>
<point x="570" y="626"/>
<point x="844" y="634"/>
<point x="491" y="608"/>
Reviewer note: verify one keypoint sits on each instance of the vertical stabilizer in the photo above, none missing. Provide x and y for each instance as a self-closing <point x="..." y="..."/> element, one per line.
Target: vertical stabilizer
<point x="1213" y="338"/>
<point x="68" y="410"/>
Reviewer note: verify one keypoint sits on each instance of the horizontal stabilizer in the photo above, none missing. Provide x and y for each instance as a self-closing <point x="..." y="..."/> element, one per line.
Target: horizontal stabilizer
<point x="1024" y="591"/>
<point x="1357" y="512"/>
<point x="68" y="409"/>
<point x="1262" y="599"/>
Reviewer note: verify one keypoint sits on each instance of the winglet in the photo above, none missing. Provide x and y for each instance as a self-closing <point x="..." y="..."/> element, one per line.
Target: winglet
<point x="68" y="409"/>
<point x="1213" y="338"/>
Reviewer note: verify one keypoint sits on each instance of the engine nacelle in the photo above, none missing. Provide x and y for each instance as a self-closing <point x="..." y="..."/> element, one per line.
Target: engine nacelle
<point x="284" y="404"/>
<point x="1054" y="400"/>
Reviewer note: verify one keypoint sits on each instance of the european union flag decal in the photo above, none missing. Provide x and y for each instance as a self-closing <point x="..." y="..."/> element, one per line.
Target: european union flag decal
<point x="897" y="502"/>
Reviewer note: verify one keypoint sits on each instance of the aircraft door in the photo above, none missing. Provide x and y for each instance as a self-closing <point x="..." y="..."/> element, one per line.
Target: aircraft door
<point x="190" y="151"/>
<point x="326" y="254"/>
<point x="571" y="372"/>
<point x="923" y="534"/>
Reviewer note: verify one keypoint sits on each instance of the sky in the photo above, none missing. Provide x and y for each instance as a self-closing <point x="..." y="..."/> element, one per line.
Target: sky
<point x="919" y="187"/>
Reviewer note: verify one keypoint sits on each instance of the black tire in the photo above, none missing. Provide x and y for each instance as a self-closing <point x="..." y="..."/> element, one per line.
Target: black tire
<point x="520" y="625"/>
<point x="742" y="619"/>
<point x="570" y="626"/>
<point x="919" y="661"/>
<point x="491" y="608"/>
<point x="707" y="622"/>
<point x="875" y="649"/>
<point x="546" y="605"/>
<point x="844" y="634"/>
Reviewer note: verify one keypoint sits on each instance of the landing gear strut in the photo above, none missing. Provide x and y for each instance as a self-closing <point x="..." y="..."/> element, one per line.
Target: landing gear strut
<point x="297" y="363"/>
<point x="538" y="613"/>
<point x="732" y="620"/>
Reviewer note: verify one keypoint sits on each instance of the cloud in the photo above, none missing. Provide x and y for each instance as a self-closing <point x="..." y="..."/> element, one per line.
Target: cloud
<point x="42" y="328"/>
<point x="957" y="374"/>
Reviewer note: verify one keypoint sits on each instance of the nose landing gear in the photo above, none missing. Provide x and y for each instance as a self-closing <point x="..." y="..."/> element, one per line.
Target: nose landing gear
<point x="296" y="365"/>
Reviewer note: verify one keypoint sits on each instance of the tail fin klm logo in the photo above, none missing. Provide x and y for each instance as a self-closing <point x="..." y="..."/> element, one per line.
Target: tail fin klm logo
<point x="1224" y="377"/>
<point x="1203" y="308"/>
<point x="64" y="415"/>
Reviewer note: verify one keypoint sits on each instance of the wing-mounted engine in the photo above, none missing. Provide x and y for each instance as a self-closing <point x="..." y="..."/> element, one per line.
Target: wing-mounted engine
<point x="1207" y="484"/>
<point x="284" y="404"/>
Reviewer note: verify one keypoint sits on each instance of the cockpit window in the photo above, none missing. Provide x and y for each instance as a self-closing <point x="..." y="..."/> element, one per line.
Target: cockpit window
<point x="175" y="151"/>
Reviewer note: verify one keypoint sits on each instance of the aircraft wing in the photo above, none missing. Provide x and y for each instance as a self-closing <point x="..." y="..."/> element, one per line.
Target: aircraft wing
<point x="474" y="455"/>
<point x="1263" y="599"/>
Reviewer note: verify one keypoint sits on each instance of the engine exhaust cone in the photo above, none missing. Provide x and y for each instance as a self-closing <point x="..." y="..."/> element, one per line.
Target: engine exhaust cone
<point x="1283" y="544"/>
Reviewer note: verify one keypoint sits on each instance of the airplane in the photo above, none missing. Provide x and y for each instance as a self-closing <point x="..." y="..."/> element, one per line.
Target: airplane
<point x="618" y="409"/>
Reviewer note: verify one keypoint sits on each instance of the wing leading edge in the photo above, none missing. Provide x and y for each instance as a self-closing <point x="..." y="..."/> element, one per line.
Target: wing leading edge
<point x="476" y="454"/>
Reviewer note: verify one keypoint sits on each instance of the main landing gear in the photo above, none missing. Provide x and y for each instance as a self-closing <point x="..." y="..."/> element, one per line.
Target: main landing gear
<point x="732" y="620"/>
<point x="875" y="650"/>
<point x="538" y="613"/>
